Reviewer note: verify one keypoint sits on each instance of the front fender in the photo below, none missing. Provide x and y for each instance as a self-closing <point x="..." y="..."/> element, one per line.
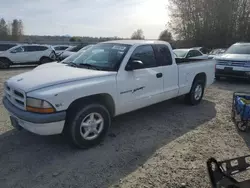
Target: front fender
<point x="62" y="95"/>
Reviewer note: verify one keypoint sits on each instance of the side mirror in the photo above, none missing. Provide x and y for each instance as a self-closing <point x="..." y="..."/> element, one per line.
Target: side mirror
<point x="134" y="64"/>
<point x="13" y="52"/>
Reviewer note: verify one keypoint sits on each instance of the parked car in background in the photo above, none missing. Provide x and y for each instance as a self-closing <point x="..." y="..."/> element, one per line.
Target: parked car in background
<point x="26" y="54"/>
<point x="72" y="50"/>
<point x="216" y="52"/>
<point x="201" y="49"/>
<point x="79" y="96"/>
<point x="4" y="47"/>
<point x="60" y="48"/>
<point x="189" y="54"/>
<point x="235" y="62"/>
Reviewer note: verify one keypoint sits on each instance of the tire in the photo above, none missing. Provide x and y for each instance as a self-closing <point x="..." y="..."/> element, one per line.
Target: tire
<point x="242" y="126"/>
<point x="194" y="97"/>
<point x="44" y="60"/>
<point x="79" y="123"/>
<point x="4" y="63"/>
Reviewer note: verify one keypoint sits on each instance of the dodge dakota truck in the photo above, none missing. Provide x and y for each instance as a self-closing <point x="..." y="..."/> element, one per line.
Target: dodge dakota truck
<point x="80" y="95"/>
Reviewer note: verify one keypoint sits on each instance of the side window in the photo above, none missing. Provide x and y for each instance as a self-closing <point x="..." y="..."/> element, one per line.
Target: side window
<point x="60" y="47"/>
<point x="193" y="53"/>
<point x="18" y="49"/>
<point x="163" y="54"/>
<point x="197" y="53"/>
<point x="41" y="48"/>
<point x="146" y="55"/>
<point x="63" y="48"/>
<point x="34" y="48"/>
<point x="29" y="48"/>
<point x="190" y="54"/>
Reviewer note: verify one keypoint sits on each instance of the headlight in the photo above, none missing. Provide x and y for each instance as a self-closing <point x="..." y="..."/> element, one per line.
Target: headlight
<point x="39" y="106"/>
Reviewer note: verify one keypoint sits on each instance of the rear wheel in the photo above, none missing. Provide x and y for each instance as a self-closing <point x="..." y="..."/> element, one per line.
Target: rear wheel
<point x="195" y="95"/>
<point x="88" y="126"/>
<point x="4" y="63"/>
<point x="44" y="60"/>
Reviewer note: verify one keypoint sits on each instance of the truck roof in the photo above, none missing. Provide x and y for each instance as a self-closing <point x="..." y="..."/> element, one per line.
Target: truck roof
<point x="133" y="42"/>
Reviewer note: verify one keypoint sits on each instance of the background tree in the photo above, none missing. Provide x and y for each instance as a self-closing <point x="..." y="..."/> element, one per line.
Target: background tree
<point x="138" y="35"/>
<point x="3" y="30"/>
<point x="166" y="36"/>
<point x="17" y="29"/>
<point x="210" y="23"/>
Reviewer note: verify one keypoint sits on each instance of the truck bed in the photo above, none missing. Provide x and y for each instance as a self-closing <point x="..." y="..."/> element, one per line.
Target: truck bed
<point x="189" y="68"/>
<point x="185" y="60"/>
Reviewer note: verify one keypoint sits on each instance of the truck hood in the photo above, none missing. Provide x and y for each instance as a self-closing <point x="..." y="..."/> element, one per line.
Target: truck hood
<point x="51" y="74"/>
<point x="234" y="57"/>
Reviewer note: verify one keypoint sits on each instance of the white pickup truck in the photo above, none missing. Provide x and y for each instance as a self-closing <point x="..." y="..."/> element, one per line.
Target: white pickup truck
<point x="80" y="95"/>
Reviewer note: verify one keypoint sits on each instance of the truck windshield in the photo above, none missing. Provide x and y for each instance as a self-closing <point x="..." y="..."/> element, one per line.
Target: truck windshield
<point x="104" y="56"/>
<point x="180" y="53"/>
<point x="239" y="49"/>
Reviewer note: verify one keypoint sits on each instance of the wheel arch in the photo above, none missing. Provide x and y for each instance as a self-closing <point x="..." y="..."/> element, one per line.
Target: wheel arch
<point x="202" y="77"/>
<point x="102" y="98"/>
<point x="44" y="57"/>
<point x="6" y="58"/>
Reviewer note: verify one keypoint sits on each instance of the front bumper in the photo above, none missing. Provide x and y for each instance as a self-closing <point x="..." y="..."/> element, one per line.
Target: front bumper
<point x="232" y="74"/>
<point x="42" y="124"/>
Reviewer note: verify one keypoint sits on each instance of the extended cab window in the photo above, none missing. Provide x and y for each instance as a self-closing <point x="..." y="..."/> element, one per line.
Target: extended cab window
<point x="163" y="55"/>
<point x="146" y="55"/>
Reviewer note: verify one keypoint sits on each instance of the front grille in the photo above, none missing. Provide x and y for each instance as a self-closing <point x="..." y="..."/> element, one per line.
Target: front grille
<point x="15" y="96"/>
<point x="18" y="93"/>
<point x="232" y="63"/>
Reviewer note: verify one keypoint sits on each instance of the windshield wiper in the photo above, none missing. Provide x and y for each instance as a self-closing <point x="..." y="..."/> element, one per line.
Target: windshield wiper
<point x="71" y="64"/>
<point x="90" y="66"/>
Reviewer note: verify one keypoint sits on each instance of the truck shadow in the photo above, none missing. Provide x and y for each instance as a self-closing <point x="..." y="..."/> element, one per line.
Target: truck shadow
<point x="29" y="160"/>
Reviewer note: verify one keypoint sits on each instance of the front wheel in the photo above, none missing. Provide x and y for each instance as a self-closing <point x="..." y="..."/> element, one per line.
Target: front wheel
<point x="4" y="63"/>
<point x="195" y="95"/>
<point x="88" y="126"/>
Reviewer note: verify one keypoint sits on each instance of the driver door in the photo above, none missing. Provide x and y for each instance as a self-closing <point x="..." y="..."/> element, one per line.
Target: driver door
<point x="142" y="86"/>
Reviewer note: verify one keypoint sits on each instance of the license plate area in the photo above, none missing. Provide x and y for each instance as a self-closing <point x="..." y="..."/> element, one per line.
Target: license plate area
<point x="14" y="123"/>
<point x="228" y="69"/>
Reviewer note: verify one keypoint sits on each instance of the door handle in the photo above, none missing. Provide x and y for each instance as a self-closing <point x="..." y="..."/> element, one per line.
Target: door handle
<point x="158" y="75"/>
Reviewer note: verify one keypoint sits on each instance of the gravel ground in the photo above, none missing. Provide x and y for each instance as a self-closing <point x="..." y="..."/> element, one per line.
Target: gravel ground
<point x="165" y="145"/>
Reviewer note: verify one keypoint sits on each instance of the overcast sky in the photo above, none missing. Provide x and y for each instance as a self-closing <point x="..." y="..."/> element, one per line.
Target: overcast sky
<point x="88" y="17"/>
